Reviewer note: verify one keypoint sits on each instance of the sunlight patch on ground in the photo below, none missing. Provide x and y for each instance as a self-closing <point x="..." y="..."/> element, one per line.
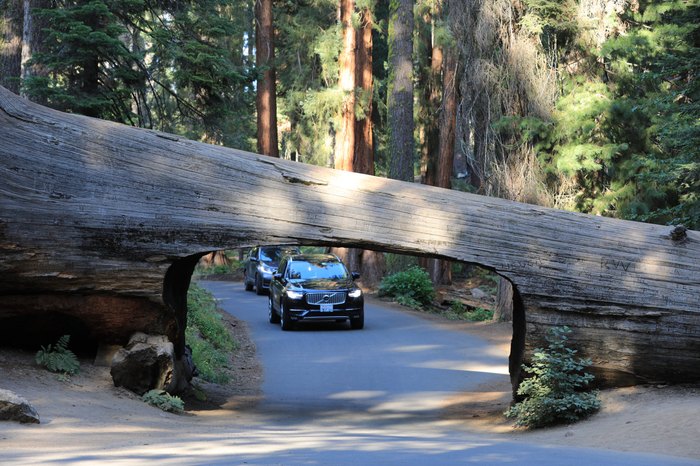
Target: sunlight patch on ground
<point x="415" y="348"/>
<point x="464" y="366"/>
<point x="357" y="395"/>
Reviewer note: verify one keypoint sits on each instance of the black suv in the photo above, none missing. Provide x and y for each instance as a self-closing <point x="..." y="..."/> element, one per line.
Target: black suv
<point x="315" y="287"/>
<point x="261" y="263"/>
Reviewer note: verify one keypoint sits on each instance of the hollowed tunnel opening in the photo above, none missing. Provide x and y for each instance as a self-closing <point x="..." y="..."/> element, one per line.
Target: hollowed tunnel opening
<point x="32" y="331"/>
<point x="179" y="276"/>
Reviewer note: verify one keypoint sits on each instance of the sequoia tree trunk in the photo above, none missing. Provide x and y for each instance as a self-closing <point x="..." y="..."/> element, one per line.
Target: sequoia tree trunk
<point x="266" y="98"/>
<point x="103" y="224"/>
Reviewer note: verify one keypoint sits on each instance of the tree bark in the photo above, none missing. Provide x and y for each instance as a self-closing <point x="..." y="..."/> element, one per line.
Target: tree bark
<point x="105" y="223"/>
<point x="266" y="99"/>
<point x="504" y="301"/>
<point x="400" y="96"/>
<point x="345" y="137"/>
<point x="355" y="151"/>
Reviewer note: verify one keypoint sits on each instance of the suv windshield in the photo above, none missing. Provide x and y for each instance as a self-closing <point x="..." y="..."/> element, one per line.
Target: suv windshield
<point x="304" y="270"/>
<point x="274" y="254"/>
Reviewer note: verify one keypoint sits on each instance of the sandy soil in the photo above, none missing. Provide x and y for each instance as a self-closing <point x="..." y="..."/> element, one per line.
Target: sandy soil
<point x="655" y="419"/>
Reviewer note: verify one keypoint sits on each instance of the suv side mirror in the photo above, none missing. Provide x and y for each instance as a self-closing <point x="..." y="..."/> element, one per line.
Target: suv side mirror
<point x="276" y="276"/>
<point x="355" y="275"/>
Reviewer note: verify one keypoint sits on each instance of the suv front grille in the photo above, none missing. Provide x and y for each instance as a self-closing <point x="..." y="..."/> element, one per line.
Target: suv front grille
<point x="329" y="297"/>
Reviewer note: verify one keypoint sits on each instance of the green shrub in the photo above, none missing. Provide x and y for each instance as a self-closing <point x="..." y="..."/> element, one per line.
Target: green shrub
<point x="460" y="311"/>
<point x="554" y="394"/>
<point x="207" y="335"/>
<point x="478" y="314"/>
<point x="164" y="400"/>
<point x="411" y="287"/>
<point x="58" y="358"/>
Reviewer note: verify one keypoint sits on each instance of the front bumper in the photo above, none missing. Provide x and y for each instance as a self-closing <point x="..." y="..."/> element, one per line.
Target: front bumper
<point x="336" y="314"/>
<point x="300" y="310"/>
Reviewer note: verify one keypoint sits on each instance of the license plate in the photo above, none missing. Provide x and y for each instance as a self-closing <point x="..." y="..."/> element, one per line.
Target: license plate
<point x="326" y="308"/>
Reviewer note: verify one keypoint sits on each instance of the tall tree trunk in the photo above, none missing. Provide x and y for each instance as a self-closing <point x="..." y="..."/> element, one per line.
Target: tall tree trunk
<point x="354" y="149"/>
<point x="364" y="142"/>
<point x="400" y="98"/>
<point x="214" y="259"/>
<point x="373" y="265"/>
<point x="266" y="101"/>
<point x="345" y="137"/>
<point x="11" y="44"/>
<point x="433" y="101"/>
<point x="504" y="301"/>
<point x="440" y="167"/>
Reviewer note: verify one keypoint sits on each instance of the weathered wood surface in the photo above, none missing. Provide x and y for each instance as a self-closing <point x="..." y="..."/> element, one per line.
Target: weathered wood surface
<point x="101" y="210"/>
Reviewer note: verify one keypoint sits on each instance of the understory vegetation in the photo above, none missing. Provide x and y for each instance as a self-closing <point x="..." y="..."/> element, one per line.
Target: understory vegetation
<point x="414" y="288"/>
<point x="208" y="336"/>
<point x="164" y="400"/>
<point x="556" y="390"/>
<point x="58" y="358"/>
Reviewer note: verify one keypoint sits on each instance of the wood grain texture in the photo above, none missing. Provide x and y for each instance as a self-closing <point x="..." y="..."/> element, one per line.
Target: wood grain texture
<point x="91" y="207"/>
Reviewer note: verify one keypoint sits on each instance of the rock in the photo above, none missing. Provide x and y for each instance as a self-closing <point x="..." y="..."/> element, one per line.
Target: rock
<point x="15" y="408"/>
<point x="147" y="362"/>
<point x="478" y="293"/>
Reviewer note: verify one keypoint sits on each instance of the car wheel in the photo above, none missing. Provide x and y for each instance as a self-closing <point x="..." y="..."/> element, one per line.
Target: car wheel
<point x="246" y="283"/>
<point x="359" y="323"/>
<point x="285" y="321"/>
<point x="274" y="318"/>
<point x="258" y="284"/>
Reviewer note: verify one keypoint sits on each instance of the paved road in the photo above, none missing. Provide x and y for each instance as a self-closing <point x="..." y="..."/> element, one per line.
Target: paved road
<point x="334" y="396"/>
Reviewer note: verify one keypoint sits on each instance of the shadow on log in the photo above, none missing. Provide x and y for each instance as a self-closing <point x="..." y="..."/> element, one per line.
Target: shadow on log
<point x="104" y="222"/>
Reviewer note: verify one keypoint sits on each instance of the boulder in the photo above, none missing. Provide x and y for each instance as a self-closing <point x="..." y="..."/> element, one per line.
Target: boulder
<point x="15" y="408"/>
<point x="147" y="362"/>
<point x="478" y="293"/>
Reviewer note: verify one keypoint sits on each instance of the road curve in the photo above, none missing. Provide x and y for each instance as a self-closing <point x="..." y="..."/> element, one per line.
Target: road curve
<point x="374" y="396"/>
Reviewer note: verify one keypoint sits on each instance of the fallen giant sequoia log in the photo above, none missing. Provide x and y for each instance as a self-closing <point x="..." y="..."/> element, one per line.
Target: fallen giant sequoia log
<point x="101" y="225"/>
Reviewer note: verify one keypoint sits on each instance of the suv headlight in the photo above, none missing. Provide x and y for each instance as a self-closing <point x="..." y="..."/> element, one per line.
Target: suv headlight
<point x="266" y="268"/>
<point x="355" y="293"/>
<point x="294" y="294"/>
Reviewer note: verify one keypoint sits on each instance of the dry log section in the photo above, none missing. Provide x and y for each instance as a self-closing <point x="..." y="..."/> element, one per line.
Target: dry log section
<point x="103" y="223"/>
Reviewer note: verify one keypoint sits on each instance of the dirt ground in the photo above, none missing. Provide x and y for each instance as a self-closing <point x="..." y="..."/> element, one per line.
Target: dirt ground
<point x="656" y="419"/>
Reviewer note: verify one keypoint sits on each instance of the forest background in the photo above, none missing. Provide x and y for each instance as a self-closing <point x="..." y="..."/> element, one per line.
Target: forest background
<point x="584" y="105"/>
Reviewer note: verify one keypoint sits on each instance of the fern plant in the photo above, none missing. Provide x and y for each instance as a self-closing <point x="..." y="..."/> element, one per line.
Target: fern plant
<point x="58" y="358"/>
<point x="164" y="400"/>
<point x="556" y="391"/>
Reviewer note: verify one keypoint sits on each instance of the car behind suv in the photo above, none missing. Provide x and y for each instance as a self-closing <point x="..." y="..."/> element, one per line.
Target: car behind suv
<point x="261" y="263"/>
<point x="313" y="287"/>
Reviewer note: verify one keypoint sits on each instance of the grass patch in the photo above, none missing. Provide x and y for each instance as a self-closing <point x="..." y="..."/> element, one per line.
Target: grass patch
<point x="208" y="336"/>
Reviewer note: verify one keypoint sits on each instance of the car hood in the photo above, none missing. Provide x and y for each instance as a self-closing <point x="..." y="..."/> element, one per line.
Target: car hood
<point x="322" y="284"/>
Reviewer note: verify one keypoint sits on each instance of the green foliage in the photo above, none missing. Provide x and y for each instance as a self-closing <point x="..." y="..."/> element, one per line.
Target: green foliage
<point x="58" y="358"/>
<point x="625" y="133"/>
<point x="411" y="287"/>
<point x="553" y="394"/>
<point x="207" y="335"/>
<point x="163" y="400"/>
<point x="459" y="311"/>
<point x="177" y="67"/>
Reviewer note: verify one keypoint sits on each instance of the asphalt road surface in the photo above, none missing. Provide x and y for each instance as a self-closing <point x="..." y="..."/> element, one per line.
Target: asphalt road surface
<point x="334" y="396"/>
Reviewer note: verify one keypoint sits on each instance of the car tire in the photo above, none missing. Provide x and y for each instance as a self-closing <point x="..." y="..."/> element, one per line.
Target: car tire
<point x="273" y="316"/>
<point x="246" y="283"/>
<point x="285" y="320"/>
<point x="258" y="285"/>
<point x="359" y="323"/>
